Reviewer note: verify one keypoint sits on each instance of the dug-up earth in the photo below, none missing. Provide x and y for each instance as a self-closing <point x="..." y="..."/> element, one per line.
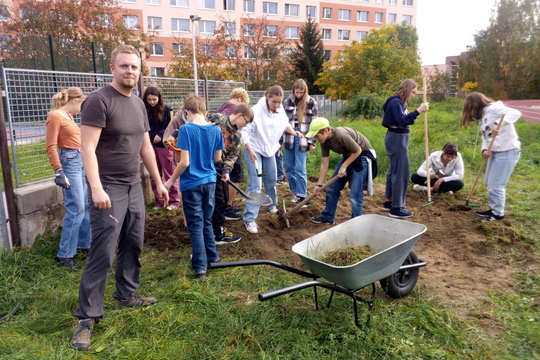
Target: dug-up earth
<point x="466" y="258"/>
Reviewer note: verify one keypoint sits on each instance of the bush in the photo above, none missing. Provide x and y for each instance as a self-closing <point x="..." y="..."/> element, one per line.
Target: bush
<point x="364" y="105"/>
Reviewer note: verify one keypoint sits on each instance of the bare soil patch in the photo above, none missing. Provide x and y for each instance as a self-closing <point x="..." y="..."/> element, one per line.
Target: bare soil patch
<point x="466" y="258"/>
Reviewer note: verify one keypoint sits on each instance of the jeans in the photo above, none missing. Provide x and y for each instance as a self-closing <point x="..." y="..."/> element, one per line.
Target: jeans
<point x="295" y="166"/>
<point x="499" y="168"/>
<point x="397" y="178"/>
<point x="356" y="183"/>
<point x="279" y="164"/>
<point x="267" y="165"/>
<point x="198" y="204"/>
<point x="76" y="225"/>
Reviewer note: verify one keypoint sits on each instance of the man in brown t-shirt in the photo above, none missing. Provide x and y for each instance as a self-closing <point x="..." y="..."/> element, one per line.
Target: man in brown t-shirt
<point x="352" y="168"/>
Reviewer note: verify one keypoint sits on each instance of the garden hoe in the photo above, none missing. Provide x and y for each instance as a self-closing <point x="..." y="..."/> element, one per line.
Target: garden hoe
<point x="305" y="201"/>
<point x="426" y="142"/>
<point x="467" y="206"/>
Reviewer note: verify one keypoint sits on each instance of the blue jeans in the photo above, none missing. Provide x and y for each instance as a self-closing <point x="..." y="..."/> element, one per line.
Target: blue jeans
<point x="499" y="168"/>
<point x="198" y="204"/>
<point x="76" y="225"/>
<point x="295" y="166"/>
<point x="267" y="165"/>
<point x="397" y="178"/>
<point x="356" y="183"/>
<point x="279" y="164"/>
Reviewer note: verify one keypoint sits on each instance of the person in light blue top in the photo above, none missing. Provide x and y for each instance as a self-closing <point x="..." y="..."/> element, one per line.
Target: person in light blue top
<point x="201" y="144"/>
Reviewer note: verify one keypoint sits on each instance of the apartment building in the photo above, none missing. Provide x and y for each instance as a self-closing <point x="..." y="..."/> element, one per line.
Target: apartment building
<point x="340" y="21"/>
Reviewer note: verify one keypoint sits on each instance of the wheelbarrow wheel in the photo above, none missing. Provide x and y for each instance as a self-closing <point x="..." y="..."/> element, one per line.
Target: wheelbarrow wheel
<point x="401" y="283"/>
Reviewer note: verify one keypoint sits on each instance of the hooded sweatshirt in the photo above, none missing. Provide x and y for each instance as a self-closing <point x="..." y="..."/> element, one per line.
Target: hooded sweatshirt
<point x="508" y="137"/>
<point x="396" y="113"/>
<point x="264" y="132"/>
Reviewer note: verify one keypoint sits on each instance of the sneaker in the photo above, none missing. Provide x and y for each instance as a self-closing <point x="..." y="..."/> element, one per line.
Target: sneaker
<point x="387" y="206"/>
<point x="295" y="198"/>
<point x="419" y="188"/>
<point x="320" y="220"/>
<point x="171" y="207"/>
<point x="234" y="209"/>
<point x="273" y="210"/>
<point x="82" y="335"/>
<point x="67" y="262"/>
<point x="484" y="213"/>
<point x="135" y="301"/>
<point x="227" y="237"/>
<point x="281" y="182"/>
<point x="157" y="207"/>
<point x="400" y="213"/>
<point x="231" y="215"/>
<point x="450" y="192"/>
<point x="491" y="217"/>
<point x="200" y="275"/>
<point x="251" y="227"/>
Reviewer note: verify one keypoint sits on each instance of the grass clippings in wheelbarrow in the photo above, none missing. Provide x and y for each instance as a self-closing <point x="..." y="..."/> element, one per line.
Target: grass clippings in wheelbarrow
<point x="348" y="256"/>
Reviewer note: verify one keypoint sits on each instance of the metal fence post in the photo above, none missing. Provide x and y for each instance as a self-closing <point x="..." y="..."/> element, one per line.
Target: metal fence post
<point x="53" y="68"/>
<point x="93" y="57"/>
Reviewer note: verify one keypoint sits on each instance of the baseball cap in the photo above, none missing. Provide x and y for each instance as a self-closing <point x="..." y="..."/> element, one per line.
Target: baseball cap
<point x="317" y="125"/>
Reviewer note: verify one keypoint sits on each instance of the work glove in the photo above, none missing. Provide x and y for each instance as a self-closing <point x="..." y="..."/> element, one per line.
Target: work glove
<point x="61" y="179"/>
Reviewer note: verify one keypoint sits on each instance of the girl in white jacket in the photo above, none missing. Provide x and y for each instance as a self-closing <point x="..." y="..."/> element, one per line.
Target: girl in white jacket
<point x="261" y="139"/>
<point x="504" y="153"/>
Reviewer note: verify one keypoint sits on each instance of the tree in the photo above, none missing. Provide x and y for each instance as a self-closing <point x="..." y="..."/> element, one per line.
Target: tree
<point x="504" y="59"/>
<point x="440" y="85"/>
<point x="73" y="26"/>
<point x="309" y="57"/>
<point x="378" y="64"/>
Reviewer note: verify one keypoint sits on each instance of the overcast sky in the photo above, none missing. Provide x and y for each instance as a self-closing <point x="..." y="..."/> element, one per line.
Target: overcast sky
<point x="447" y="27"/>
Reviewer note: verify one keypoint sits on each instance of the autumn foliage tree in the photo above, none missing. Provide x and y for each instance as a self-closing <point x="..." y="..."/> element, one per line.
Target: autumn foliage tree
<point x="377" y="65"/>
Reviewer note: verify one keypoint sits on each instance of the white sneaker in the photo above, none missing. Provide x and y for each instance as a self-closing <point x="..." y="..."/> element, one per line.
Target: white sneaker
<point x="171" y="207"/>
<point x="419" y="188"/>
<point x="251" y="227"/>
<point x="273" y="210"/>
<point x="295" y="198"/>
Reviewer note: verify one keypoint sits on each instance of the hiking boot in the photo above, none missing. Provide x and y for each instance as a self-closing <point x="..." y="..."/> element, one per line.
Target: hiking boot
<point x="484" y="213"/>
<point x="251" y="227"/>
<point x="82" y="335"/>
<point x="135" y="301"/>
<point x="387" y="206"/>
<point x="227" y="237"/>
<point x="232" y="216"/>
<point x="491" y="217"/>
<point x="400" y="213"/>
<point x="320" y="220"/>
<point x="419" y="188"/>
<point x="67" y="262"/>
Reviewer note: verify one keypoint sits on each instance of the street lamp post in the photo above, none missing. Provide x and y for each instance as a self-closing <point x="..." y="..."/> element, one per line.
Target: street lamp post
<point x="194" y="18"/>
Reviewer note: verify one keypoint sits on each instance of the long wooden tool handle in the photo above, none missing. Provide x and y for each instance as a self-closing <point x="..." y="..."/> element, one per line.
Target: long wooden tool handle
<point x="238" y="189"/>
<point x="484" y="159"/>
<point x="426" y="141"/>
<point x="308" y="198"/>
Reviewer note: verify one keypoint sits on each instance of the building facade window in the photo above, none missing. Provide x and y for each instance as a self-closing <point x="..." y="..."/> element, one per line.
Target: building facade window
<point x="179" y="3"/>
<point x="291" y="32"/>
<point x="362" y="16"/>
<point x="249" y="52"/>
<point x="344" y="15"/>
<point x="230" y="28"/>
<point x="344" y="35"/>
<point x="156" y="49"/>
<point x="270" y="30"/>
<point x="250" y="75"/>
<point x="207" y="4"/>
<point x="249" y="29"/>
<point x="229" y="5"/>
<point x="154" y="24"/>
<point x="129" y="1"/>
<point x="378" y="17"/>
<point x="5" y="42"/>
<point x="153" y="2"/>
<point x="180" y="25"/>
<point x="327" y="55"/>
<point x="292" y="10"/>
<point x="269" y="8"/>
<point x="4" y="13"/>
<point x="130" y="21"/>
<point x="249" y="6"/>
<point x="179" y="49"/>
<point x="208" y="50"/>
<point x="392" y="2"/>
<point x="311" y="11"/>
<point x="157" y="71"/>
<point x="230" y="52"/>
<point x="407" y="19"/>
<point x="327" y="34"/>
<point x="360" y="35"/>
<point x="327" y="13"/>
<point x="207" y="27"/>
<point x="379" y="1"/>
<point x="392" y="18"/>
<point x="408" y="2"/>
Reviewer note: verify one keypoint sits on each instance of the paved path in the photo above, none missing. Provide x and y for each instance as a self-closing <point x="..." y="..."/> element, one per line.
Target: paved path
<point x="530" y="109"/>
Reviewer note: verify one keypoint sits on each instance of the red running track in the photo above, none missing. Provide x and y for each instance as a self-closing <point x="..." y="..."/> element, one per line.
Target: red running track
<point x="530" y="109"/>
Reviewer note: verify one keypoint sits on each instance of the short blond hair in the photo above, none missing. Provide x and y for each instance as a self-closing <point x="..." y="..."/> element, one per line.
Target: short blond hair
<point x="240" y="93"/>
<point x="124" y="49"/>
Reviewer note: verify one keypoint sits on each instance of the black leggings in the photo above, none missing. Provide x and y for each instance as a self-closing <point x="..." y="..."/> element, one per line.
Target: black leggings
<point x="454" y="185"/>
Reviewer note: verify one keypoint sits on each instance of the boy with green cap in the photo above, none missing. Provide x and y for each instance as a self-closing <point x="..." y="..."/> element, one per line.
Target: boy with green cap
<point x="352" y="168"/>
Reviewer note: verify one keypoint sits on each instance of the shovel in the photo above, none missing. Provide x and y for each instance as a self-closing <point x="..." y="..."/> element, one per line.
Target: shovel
<point x="252" y="197"/>
<point x="305" y="201"/>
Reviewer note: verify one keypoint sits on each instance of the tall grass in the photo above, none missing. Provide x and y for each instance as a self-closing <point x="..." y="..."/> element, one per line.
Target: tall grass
<point x="221" y="318"/>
